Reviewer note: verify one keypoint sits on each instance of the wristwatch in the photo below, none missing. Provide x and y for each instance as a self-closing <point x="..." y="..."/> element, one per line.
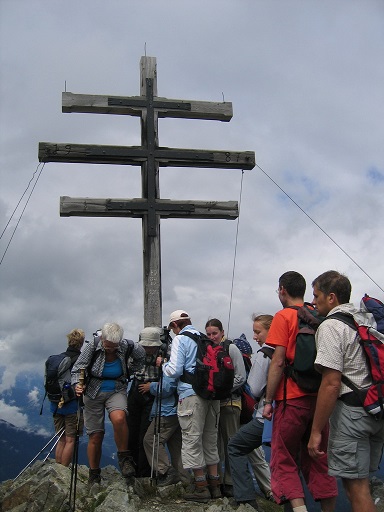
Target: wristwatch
<point x="267" y="402"/>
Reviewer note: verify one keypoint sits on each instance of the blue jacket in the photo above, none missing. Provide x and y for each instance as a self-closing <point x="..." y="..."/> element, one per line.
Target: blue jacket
<point x="183" y="357"/>
<point x="169" y="397"/>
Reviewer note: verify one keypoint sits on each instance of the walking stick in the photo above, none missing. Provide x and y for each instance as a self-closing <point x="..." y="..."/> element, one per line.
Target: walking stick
<point x="58" y="435"/>
<point x="159" y="422"/>
<point x="75" y="457"/>
<point x="156" y="430"/>
<point x="62" y="432"/>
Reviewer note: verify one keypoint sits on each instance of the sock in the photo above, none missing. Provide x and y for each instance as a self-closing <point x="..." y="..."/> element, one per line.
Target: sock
<point x="301" y="508"/>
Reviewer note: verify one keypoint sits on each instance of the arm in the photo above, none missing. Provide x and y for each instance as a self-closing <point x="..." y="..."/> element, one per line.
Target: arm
<point x="168" y="387"/>
<point x="275" y="374"/>
<point x="83" y="361"/>
<point x="239" y="367"/>
<point x="137" y="358"/>
<point x="257" y="378"/>
<point x="326" y="400"/>
<point x="174" y="367"/>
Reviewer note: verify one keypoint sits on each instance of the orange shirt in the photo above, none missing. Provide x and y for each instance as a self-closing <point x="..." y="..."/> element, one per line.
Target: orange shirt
<point x="283" y="332"/>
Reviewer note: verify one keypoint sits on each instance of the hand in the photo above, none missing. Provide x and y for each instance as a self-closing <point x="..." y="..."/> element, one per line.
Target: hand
<point x="268" y="412"/>
<point x="144" y="388"/>
<point x="314" y="446"/>
<point x="79" y="390"/>
<point x="159" y="361"/>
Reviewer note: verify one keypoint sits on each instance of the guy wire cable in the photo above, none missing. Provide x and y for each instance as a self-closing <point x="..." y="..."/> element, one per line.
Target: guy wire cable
<point x="25" y="191"/>
<point x="25" y="206"/>
<point x="235" y="253"/>
<point x="321" y="229"/>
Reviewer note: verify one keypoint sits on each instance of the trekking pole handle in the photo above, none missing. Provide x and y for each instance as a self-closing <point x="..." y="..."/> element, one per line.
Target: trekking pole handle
<point x="82" y="377"/>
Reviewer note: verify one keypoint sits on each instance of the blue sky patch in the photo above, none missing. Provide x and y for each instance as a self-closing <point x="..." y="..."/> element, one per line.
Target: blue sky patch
<point x="375" y="176"/>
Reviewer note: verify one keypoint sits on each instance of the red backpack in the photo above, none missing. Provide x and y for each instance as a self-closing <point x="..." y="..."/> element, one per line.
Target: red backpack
<point x="214" y="371"/>
<point x="372" y="341"/>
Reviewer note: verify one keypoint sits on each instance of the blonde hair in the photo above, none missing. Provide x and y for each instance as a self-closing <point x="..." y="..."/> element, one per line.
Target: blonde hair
<point x="265" y="320"/>
<point x="76" y="338"/>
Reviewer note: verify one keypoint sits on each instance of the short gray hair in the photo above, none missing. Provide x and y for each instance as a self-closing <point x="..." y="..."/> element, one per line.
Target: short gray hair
<point x="112" y="332"/>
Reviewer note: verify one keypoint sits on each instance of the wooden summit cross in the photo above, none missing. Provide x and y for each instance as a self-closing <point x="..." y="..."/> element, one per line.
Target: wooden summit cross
<point x="150" y="156"/>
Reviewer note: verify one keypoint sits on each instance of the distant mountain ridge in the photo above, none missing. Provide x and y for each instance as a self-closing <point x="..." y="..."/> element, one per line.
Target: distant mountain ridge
<point x="19" y="447"/>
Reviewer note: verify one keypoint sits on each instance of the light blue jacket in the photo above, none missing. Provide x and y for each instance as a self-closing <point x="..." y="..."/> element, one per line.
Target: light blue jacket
<point x="183" y="357"/>
<point x="169" y="397"/>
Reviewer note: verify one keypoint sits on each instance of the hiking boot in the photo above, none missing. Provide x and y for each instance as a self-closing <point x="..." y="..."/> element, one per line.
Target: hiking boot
<point x="227" y="490"/>
<point x="200" y="493"/>
<point x="169" y="478"/>
<point x="252" y="503"/>
<point x="126" y="464"/>
<point x="94" y="476"/>
<point x="269" y="497"/>
<point x="214" y="487"/>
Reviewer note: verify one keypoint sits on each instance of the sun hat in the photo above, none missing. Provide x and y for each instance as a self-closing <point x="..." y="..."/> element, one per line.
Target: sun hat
<point x="150" y="337"/>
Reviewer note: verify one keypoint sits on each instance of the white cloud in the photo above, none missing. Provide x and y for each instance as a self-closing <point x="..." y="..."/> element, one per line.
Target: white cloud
<point x="34" y="396"/>
<point x="13" y="415"/>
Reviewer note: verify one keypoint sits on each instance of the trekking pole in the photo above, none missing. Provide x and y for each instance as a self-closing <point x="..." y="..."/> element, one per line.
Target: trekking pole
<point x="62" y="432"/>
<point x="75" y="457"/>
<point x="156" y="419"/>
<point x="160" y="385"/>
<point x="57" y="434"/>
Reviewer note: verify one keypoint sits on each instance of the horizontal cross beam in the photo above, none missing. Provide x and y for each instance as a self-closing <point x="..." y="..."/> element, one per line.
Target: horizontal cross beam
<point x="165" y="208"/>
<point x="136" y="155"/>
<point x="134" y="105"/>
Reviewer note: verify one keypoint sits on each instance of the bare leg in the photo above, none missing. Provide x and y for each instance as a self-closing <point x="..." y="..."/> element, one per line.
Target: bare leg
<point x="67" y="455"/>
<point x="359" y="494"/>
<point x="94" y="449"/>
<point x="120" y="429"/>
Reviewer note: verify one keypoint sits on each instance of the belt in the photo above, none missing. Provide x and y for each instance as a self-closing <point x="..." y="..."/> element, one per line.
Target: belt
<point x="351" y="399"/>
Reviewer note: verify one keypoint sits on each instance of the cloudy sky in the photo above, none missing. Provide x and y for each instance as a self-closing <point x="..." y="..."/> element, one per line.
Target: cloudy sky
<point x="305" y="79"/>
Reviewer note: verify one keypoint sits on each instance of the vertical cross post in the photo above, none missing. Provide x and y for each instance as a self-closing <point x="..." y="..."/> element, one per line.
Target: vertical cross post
<point x="151" y="191"/>
<point x="149" y="156"/>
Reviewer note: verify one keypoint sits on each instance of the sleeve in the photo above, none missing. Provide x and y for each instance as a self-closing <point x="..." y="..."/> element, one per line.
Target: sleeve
<point x="64" y="372"/>
<point x="175" y="366"/>
<point x="257" y="378"/>
<point x="83" y="361"/>
<point x="329" y="347"/>
<point x="238" y="364"/>
<point x="137" y="358"/>
<point x="168" y="387"/>
<point x="278" y="334"/>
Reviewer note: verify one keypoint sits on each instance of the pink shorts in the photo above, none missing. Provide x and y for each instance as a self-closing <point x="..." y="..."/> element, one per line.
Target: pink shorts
<point x="290" y="435"/>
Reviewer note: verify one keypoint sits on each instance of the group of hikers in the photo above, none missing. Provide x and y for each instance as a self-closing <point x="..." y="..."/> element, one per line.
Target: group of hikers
<point x="164" y="427"/>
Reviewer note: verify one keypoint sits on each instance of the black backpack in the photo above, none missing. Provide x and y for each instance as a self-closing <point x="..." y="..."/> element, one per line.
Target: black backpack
<point x="214" y="372"/>
<point x="57" y="379"/>
<point x="302" y="369"/>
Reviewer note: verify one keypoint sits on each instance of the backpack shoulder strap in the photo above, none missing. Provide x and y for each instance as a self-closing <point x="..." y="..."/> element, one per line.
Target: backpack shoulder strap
<point x="267" y="351"/>
<point x="193" y="335"/>
<point x="346" y="318"/>
<point x="226" y="344"/>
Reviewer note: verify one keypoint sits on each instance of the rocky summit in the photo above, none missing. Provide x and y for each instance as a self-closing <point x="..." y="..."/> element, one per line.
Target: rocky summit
<point x="46" y="487"/>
